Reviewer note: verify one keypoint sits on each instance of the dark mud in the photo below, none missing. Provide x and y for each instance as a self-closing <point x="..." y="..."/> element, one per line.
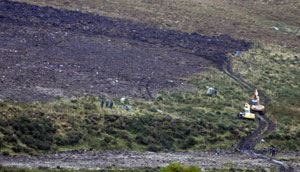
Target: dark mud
<point x="47" y="52"/>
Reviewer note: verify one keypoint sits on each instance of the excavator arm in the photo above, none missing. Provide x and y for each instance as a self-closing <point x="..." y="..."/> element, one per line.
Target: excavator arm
<point x="256" y="97"/>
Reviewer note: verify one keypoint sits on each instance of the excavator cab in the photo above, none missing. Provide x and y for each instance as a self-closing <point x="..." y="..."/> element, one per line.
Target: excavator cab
<point x="253" y="102"/>
<point x="252" y="107"/>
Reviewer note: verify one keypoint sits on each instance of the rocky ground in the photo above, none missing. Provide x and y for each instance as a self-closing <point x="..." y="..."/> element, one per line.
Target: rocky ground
<point x="91" y="159"/>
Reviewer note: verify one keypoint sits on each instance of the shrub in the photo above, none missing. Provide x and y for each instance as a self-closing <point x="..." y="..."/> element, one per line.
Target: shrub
<point x="36" y="131"/>
<point x="3" y="123"/>
<point x="10" y="139"/>
<point x="153" y="148"/>
<point x="298" y="134"/>
<point x="152" y="109"/>
<point x="17" y="149"/>
<point x="179" y="135"/>
<point x="223" y="127"/>
<point x="60" y="141"/>
<point x="191" y="142"/>
<point x="89" y="106"/>
<point x="159" y="98"/>
<point x="177" y="97"/>
<point x="74" y="101"/>
<point x="124" y="135"/>
<point x="142" y="140"/>
<point x="185" y="110"/>
<point x="107" y="139"/>
<point x="43" y="146"/>
<point x="287" y="137"/>
<point x="29" y="141"/>
<point x="111" y="131"/>
<point x="74" y="137"/>
<point x="1" y="142"/>
<point x="176" y="167"/>
<point x="274" y="136"/>
<point x="167" y="142"/>
<point x="3" y="104"/>
<point x="212" y="139"/>
<point x="5" y="153"/>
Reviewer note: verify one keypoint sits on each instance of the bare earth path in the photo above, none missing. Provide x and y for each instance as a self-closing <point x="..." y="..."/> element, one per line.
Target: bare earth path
<point x="90" y="159"/>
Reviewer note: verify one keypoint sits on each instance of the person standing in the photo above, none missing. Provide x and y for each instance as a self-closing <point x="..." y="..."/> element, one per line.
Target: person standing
<point x="111" y="104"/>
<point x="235" y="147"/>
<point x="218" y="151"/>
<point x="102" y="103"/>
<point x="258" y="119"/>
<point x="270" y="149"/>
<point x="273" y="151"/>
<point x="106" y="103"/>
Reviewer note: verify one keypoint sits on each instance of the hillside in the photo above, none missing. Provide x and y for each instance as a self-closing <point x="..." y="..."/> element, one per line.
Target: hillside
<point x="59" y="59"/>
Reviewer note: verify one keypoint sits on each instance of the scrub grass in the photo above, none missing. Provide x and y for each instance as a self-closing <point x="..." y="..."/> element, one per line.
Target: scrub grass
<point x="174" y="121"/>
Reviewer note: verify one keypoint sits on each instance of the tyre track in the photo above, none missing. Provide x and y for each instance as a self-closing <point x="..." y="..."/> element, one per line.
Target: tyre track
<point x="248" y="144"/>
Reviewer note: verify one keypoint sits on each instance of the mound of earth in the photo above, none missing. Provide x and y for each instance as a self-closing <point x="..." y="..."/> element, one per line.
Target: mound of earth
<point x="47" y="52"/>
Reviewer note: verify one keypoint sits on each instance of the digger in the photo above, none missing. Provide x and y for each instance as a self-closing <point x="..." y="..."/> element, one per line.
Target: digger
<point x="252" y="107"/>
<point x="255" y="105"/>
<point x="247" y="113"/>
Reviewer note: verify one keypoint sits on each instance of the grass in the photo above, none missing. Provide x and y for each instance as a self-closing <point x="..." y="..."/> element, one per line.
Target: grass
<point x="172" y="121"/>
<point x="274" y="69"/>
<point x="69" y="124"/>
<point x="272" y="65"/>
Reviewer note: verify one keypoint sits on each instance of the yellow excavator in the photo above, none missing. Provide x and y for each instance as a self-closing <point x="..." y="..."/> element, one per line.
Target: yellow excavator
<point x="247" y="113"/>
<point x="252" y="107"/>
<point x="255" y="105"/>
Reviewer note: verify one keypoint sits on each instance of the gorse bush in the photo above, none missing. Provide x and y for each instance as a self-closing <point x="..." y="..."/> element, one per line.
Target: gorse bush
<point x="35" y="131"/>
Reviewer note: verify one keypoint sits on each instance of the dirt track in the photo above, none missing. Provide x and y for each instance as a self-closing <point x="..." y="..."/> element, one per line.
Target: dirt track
<point x="46" y="52"/>
<point x="89" y="159"/>
<point x="248" y="144"/>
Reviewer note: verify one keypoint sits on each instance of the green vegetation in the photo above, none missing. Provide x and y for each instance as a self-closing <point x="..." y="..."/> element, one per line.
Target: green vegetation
<point x="173" y="167"/>
<point x="173" y="121"/>
<point x="176" y="167"/>
<point x="271" y="65"/>
<point x="275" y="70"/>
